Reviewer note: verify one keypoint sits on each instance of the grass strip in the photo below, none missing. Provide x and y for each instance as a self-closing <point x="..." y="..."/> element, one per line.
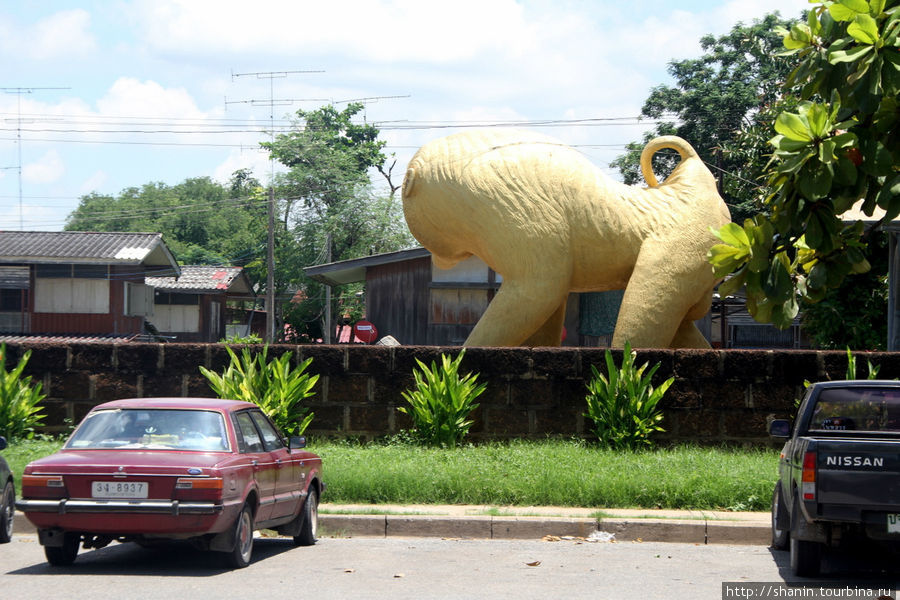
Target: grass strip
<point x="550" y="473"/>
<point x="528" y="473"/>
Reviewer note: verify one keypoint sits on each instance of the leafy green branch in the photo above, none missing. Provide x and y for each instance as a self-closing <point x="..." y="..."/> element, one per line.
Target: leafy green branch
<point x="838" y="146"/>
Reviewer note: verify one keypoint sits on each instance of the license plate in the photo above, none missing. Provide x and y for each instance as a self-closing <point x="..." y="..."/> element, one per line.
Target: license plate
<point x="119" y="489"/>
<point x="893" y="523"/>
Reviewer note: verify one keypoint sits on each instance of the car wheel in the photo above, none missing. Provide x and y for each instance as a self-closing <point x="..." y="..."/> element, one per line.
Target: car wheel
<point x="806" y="556"/>
<point x="781" y="534"/>
<point x="63" y="556"/>
<point x="310" y="527"/>
<point x="7" y="512"/>
<point x="239" y="557"/>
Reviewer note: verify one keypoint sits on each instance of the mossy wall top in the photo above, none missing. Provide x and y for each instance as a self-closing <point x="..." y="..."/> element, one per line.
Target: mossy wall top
<point x="718" y="395"/>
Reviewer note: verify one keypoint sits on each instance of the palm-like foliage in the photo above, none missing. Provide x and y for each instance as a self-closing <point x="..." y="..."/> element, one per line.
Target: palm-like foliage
<point x="19" y="399"/>
<point x="623" y="405"/>
<point x="275" y="386"/>
<point x="442" y="401"/>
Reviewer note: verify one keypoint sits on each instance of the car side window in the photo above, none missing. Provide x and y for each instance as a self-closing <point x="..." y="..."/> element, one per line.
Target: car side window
<point x="271" y="438"/>
<point x="252" y="440"/>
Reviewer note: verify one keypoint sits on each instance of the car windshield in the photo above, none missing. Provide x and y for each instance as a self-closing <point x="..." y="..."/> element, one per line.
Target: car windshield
<point x="857" y="409"/>
<point x="152" y="428"/>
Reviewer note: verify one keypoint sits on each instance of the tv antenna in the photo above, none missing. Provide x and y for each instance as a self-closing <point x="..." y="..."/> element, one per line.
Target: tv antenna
<point x="270" y="244"/>
<point x="19" y="92"/>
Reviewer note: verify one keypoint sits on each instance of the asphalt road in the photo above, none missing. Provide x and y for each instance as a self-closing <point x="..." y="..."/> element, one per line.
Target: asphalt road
<point x="419" y="568"/>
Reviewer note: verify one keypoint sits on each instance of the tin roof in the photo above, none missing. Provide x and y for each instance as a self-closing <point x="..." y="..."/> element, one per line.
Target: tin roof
<point x="354" y="269"/>
<point x="85" y="247"/>
<point x="200" y="278"/>
<point x="69" y="338"/>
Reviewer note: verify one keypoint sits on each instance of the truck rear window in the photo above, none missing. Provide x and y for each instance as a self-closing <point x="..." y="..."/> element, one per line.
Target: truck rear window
<point x="857" y="409"/>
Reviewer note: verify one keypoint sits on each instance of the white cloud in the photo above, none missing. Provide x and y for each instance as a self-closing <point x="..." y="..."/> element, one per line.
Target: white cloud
<point x="385" y="31"/>
<point x="130" y="97"/>
<point x="47" y="169"/>
<point x="65" y="34"/>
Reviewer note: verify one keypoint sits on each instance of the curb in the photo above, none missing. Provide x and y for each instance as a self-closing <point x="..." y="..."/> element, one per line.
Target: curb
<point x="490" y="527"/>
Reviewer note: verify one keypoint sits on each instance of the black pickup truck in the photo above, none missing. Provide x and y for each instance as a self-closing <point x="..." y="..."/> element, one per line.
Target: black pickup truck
<point x="839" y="475"/>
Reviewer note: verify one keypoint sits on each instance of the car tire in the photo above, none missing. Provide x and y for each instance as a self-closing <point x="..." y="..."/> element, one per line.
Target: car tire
<point x="7" y="512"/>
<point x="63" y="556"/>
<point x="781" y="533"/>
<point x="806" y="556"/>
<point x="239" y="557"/>
<point x="309" y="528"/>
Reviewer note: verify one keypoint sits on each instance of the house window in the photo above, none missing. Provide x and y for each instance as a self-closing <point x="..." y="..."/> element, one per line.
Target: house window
<point x="13" y="300"/>
<point x="138" y="300"/>
<point x="82" y="289"/>
<point x="471" y="270"/>
<point x="89" y="296"/>
<point x="175" y="312"/>
<point x="174" y="298"/>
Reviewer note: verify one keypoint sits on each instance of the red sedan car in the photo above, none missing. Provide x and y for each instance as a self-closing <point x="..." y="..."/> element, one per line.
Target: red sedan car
<point x="206" y="470"/>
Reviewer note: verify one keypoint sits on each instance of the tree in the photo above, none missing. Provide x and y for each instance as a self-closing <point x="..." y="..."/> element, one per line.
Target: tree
<point x="837" y="147"/>
<point x="203" y="222"/>
<point x="327" y="207"/>
<point x="714" y="104"/>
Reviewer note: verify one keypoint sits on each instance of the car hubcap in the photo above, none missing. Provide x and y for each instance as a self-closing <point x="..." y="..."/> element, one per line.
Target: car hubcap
<point x="245" y="536"/>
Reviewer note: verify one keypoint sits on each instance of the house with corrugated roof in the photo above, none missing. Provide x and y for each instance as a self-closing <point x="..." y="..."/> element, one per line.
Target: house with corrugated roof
<point x="193" y="307"/>
<point x="79" y="284"/>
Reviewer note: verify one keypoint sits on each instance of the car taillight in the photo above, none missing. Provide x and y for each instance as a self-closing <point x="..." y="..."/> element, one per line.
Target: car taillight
<point x="808" y="476"/>
<point x="199" y="483"/>
<point x="44" y="481"/>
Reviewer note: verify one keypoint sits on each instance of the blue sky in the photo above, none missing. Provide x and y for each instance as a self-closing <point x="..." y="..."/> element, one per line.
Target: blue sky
<point x="150" y="92"/>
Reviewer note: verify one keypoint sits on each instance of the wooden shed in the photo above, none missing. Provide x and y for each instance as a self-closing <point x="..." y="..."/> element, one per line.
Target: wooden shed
<point x="410" y="299"/>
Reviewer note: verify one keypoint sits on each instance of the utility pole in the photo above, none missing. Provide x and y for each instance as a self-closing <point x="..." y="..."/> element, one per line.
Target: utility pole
<point x="19" y="91"/>
<point x="270" y="237"/>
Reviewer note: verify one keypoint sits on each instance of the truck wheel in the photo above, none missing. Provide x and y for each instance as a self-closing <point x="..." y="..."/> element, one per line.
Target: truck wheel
<point x="806" y="556"/>
<point x="310" y="514"/>
<point x="63" y="556"/>
<point x="7" y="512"/>
<point x="781" y="533"/>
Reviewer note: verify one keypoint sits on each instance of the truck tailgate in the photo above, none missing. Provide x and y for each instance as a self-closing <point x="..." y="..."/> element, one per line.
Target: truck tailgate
<point x="860" y="472"/>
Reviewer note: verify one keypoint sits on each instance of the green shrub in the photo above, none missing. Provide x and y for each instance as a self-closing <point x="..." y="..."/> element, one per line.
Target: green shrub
<point x="851" y="367"/>
<point x="623" y="406"/>
<point x="19" y="399"/>
<point x="276" y="387"/>
<point x="442" y="402"/>
<point x="238" y="339"/>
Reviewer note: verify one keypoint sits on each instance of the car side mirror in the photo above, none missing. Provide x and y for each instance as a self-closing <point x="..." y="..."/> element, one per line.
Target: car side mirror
<point x="780" y="428"/>
<point x="2" y="443"/>
<point x="297" y="442"/>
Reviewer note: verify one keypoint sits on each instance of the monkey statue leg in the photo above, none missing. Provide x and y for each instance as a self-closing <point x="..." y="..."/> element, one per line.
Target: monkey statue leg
<point x="550" y="333"/>
<point x="521" y="311"/>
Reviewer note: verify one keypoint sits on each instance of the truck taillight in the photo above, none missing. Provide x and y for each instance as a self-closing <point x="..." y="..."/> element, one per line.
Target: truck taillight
<point x="808" y="476"/>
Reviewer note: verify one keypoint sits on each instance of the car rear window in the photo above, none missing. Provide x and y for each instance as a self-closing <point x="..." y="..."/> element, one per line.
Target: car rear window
<point x="152" y="428"/>
<point x="857" y="409"/>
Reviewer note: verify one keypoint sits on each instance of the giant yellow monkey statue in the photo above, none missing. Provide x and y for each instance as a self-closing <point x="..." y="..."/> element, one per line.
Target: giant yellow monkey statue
<point x="550" y="222"/>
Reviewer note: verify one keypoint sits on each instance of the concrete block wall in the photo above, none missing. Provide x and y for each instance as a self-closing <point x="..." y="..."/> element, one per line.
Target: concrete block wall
<point x="718" y="395"/>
